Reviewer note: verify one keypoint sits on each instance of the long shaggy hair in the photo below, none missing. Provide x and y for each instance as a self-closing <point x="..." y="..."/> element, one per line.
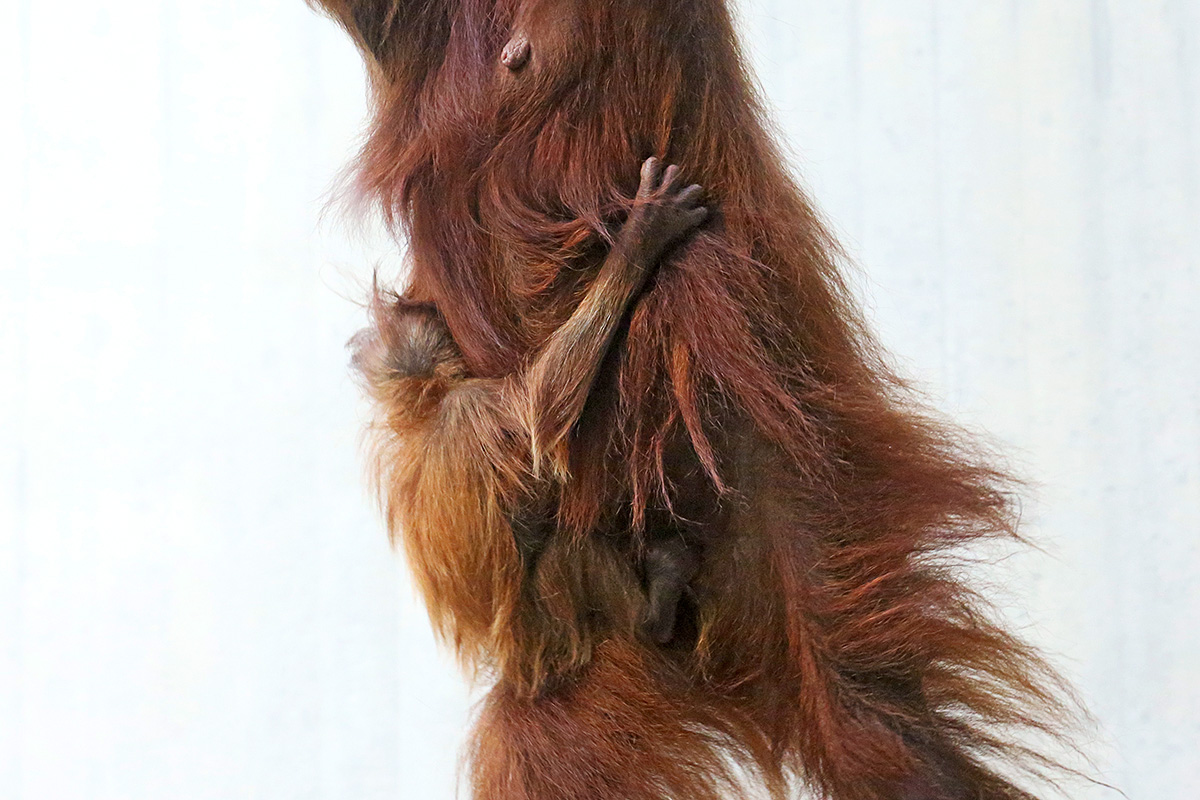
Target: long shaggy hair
<point x="835" y="644"/>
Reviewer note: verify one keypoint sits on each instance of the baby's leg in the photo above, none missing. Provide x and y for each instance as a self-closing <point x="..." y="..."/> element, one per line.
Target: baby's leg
<point x="671" y="563"/>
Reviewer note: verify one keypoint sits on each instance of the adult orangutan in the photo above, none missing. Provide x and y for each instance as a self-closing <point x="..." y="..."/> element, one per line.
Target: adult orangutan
<point x="652" y="474"/>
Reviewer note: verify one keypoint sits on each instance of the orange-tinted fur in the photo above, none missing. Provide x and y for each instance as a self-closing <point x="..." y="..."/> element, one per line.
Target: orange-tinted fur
<point x="559" y="426"/>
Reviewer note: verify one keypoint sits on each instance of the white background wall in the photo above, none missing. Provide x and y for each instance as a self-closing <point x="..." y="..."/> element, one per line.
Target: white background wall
<point x="196" y="600"/>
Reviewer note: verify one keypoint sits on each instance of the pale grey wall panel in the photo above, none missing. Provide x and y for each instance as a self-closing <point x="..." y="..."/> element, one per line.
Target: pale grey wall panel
<point x="197" y="601"/>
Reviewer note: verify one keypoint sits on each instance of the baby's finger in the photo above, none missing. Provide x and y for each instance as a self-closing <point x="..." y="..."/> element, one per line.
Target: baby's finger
<point x="651" y="169"/>
<point x="672" y="179"/>
<point x="691" y="195"/>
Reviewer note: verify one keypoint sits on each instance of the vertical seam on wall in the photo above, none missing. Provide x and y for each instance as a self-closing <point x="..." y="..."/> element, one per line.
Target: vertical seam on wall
<point x="949" y="374"/>
<point x="21" y="399"/>
<point x="860" y="210"/>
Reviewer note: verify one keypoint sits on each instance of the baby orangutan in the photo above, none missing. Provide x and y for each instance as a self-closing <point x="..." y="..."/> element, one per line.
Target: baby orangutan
<point x="411" y="362"/>
<point x="653" y="475"/>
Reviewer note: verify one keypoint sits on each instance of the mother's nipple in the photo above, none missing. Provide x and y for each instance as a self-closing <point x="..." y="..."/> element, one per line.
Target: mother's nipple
<point x="516" y="53"/>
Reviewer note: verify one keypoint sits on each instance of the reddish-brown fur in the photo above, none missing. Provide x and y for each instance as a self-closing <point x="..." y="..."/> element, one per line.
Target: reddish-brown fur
<point x="531" y="462"/>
